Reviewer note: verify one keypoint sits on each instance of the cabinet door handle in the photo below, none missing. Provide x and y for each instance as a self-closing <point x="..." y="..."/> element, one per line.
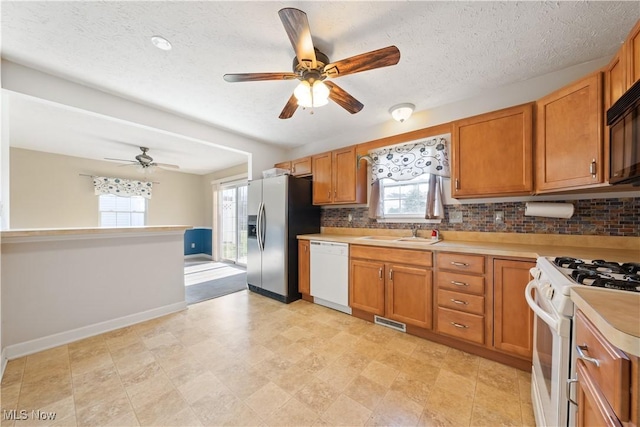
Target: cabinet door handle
<point x="459" y="264"/>
<point x="329" y="194"/>
<point x="453" y="282"/>
<point x="391" y="274"/>
<point x="293" y="169"/>
<point x="459" y="325"/>
<point x="569" y="382"/>
<point x="457" y="184"/>
<point x="581" y="355"/>
<point x="592" y="168"/>
<point x="380" y="273"/>
<point x="457" y="301"/>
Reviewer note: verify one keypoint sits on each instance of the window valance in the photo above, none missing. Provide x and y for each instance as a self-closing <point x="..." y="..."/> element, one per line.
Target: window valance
<point x="407" y="161"/>
<point x="122" y="187"/>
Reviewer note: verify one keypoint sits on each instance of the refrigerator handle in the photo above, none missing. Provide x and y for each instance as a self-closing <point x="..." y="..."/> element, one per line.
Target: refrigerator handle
<point x="259" y="228"/>
<point x="263" y="224"/>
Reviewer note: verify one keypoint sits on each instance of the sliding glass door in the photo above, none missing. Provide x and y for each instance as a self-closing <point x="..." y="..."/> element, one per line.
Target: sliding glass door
<point x="233" y="218"/>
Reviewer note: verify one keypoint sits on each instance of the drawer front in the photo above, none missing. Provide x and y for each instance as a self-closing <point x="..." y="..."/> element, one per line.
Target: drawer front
<point x="461" y="262"/>
<point x="401" y="256"/>
<point x="459" y="301"/>
<point x="460" y="282"/>
<point x="612" y="375"/>
<point x="467" y="326"/>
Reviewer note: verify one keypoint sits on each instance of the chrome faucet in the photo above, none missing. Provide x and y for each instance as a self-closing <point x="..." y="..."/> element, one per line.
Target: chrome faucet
<point x="414" y="230"/>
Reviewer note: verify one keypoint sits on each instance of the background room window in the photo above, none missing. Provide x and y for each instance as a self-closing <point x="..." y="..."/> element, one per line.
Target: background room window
<point x="122" y="211"/>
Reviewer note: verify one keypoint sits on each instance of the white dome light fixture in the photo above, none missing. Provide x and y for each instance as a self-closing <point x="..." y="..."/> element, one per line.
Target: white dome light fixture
<point x="401" y="112"/>
<point x="161" y="43"/>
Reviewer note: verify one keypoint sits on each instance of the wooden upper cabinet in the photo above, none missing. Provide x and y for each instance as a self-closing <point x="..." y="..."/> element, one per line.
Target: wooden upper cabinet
<point x="512" y="317"/>
<point x="337" y="179"/>
<point x="322" y="191"/>
<point x="492" y="154"/>
<point x="615" y="79"/>
<point x="301" y="167"/>
<point x="569" y="137"/>
<point x="632" y="54"/>
<point x="283" y="165"/>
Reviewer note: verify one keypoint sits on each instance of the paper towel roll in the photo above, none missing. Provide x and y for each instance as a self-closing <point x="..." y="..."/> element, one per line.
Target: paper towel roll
<point x="551" y="210"/>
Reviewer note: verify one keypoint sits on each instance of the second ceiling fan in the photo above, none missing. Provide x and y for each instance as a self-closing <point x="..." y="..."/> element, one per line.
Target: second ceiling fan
<point x="313" y="67"/>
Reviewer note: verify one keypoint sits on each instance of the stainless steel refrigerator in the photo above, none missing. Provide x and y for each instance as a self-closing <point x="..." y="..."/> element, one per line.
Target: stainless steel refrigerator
<point x="279" y="209"/>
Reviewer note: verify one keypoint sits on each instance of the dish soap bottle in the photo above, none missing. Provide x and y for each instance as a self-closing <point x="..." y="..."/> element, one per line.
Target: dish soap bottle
<point x="435" y="235"/>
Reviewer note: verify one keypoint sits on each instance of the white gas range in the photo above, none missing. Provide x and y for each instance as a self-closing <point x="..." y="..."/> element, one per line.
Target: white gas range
<point x="553" y="360"/>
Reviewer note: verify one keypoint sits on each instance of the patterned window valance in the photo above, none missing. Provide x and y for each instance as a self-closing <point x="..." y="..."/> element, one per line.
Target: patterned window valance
<point x="407" y="161"/>
<point x="122" y="187"/>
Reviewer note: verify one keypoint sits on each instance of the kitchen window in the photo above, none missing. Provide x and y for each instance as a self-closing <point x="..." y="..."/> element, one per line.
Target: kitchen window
<point x="122" y="211"/>
<point x="407" y="181"/>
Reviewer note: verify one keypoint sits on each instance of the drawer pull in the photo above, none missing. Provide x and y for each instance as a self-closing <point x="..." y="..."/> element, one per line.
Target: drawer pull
<point x="459" y="264"/>
<point x="581" y="355"/>
<point x="459" y="283"/>
<point x="459" y="325"/>
<point x="391" y="274"/>
<point x="457" y="301"/>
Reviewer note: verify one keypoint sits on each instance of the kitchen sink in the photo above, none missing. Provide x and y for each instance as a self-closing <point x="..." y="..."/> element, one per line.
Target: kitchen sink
<point x="421" y="240"/>
<point x="386" y="238"/>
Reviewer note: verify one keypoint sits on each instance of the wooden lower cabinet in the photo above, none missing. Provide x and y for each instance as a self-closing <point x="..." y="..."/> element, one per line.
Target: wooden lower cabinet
<point x="397" y="291"/>
<point x="304" y="267"/>
<point x="366" y="286"/>
<point x="512" y="317"/>
<point x="593" y="409"/>
<point x="409" y="291"/>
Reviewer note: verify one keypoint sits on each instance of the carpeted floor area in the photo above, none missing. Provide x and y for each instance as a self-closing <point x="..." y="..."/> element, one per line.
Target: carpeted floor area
<point x="205" y="279"/>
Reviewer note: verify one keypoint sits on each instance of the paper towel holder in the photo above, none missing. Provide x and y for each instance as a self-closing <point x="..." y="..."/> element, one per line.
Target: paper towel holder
<point x="549" y="210"/>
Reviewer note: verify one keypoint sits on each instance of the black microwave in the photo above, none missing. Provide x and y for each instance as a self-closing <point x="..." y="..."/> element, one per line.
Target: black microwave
<point x="623" y="119"/>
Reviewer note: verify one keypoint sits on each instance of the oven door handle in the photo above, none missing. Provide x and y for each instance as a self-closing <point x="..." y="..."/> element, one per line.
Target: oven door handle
<point x="553" y="323"/>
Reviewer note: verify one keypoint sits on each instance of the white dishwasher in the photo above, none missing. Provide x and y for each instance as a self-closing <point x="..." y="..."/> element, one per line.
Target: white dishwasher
<point x="330" y="275"/>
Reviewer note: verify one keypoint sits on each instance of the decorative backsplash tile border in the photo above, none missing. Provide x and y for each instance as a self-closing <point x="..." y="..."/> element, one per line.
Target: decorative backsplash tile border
<point x="604" y="217"/>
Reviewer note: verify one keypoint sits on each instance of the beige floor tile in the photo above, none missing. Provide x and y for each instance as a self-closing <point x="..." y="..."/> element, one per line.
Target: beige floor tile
<point x="318" y="394"/>
<point x="499" y="376"/>
<point x="127" y="349"/>
<point x="89" y="362"/>
<point x="267" y="400"/>
<point x="48" y="415"/>
<point x="528" y="419"/>
<point x="313" y="363"/>
<point x="116" y="412"/>
<point x="461" y="363"/>
<point x="455" y="384"/>
<point x="447" y="408"/>
<point x="148" y="391"/>
<point x="225" y="411"/>
<point x="290" y="380"/>
<point x="402" y="344"/>
<point x="338" y="375"/>
<point x="491" y="405"/>
<point x="365" y="391"/>
<point x="294" y="352"/>
<point x="396" y="409"/>
<point x="345" y="411"/>
<point x="103" y="383"/>
<point x="412" y="388"/>
<point x="430" y="352"/>
<point x="164" y="410"/>
<point x="202" y="385"/>
<point x="9" y="395"/>
<point x="380" y="373"/>
<point x="13" y="371"/>
<point x="293" y="413"/>
<point x="45" y="391"/>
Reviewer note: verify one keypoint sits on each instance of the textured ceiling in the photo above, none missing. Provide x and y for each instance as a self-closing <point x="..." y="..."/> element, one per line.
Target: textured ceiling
<point x="449" y="51"/>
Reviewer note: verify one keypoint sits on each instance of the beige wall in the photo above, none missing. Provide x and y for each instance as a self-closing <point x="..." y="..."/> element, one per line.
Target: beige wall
<point x="47" y="191"/>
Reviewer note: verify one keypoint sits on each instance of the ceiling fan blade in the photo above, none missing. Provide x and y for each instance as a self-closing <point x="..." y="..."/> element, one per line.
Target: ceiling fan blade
<point x="384" y="57"/>
<point x="165" y="165"/>
<point x="343" y="99"/>
<point x="297" y="27"/>
<point x="121" y="160"/>
<point x="290" y="108"/>
<point x="255" y="77"/>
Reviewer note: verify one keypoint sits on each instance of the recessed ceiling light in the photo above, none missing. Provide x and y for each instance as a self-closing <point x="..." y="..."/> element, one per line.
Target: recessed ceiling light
<point x="161" y="43"/>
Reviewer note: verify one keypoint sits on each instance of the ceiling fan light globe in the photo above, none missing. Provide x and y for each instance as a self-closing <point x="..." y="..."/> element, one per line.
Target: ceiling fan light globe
<point x="312" y="96"/>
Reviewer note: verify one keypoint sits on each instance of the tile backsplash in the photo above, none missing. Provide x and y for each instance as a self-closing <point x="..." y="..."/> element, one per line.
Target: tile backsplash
<point x="605" y="217"/>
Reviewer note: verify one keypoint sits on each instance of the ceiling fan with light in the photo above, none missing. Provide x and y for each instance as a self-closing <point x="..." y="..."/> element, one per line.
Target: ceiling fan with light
<point x="313" y="67"/>
<point x="145" y="162"/>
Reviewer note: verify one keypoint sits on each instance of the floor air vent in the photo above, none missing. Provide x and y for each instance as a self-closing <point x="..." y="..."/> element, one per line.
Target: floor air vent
<point x="390" y="324"/>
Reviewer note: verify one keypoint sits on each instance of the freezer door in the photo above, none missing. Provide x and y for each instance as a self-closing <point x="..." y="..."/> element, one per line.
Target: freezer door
<point x="274" y="256"/>
<point x="254" y="254"/>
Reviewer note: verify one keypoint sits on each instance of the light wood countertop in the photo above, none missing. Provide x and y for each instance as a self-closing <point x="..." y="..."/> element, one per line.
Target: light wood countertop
<point x="492" y="248"/>
<point x="615" y="314"/>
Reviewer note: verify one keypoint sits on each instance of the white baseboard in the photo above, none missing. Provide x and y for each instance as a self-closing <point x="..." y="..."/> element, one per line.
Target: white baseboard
<point x="199" y="256"/>
<point x="3" y="363"/>
<point x="55" y="340"/>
